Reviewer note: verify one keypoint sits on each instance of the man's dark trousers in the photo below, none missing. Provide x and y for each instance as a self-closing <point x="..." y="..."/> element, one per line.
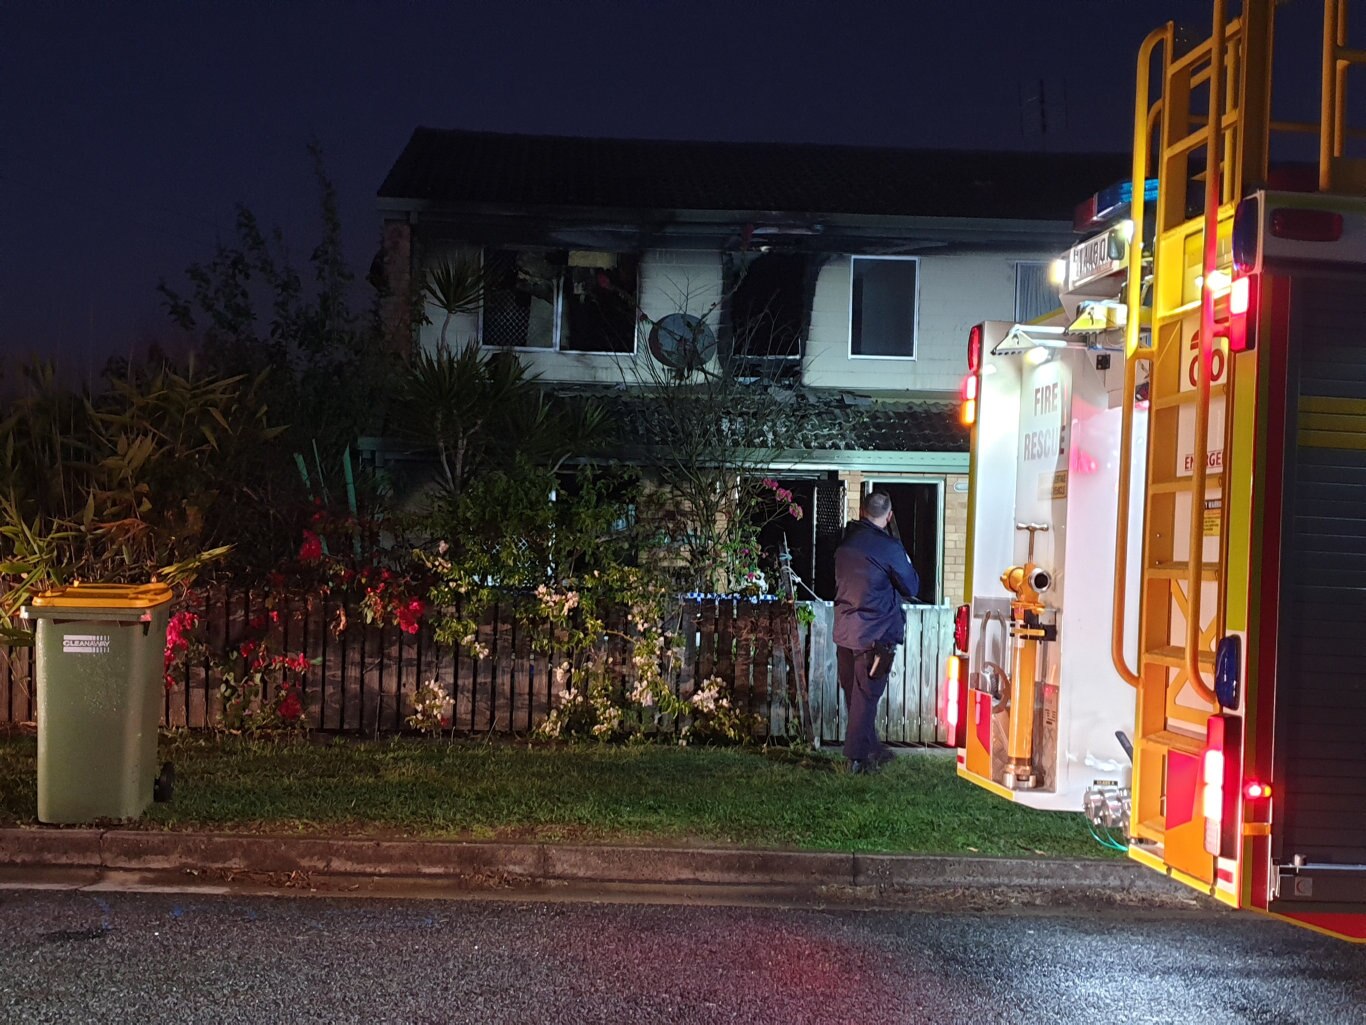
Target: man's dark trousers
<point x="861" y="697"/>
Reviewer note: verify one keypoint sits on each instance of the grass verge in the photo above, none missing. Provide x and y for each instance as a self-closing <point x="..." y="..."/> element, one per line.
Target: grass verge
<point x="645" y="794"/>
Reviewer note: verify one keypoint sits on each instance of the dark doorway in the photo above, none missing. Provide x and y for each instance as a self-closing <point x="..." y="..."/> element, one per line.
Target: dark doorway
<point x="811" y="540"/>
<point x="915" y="511"/>
<point x="797" y="533"/>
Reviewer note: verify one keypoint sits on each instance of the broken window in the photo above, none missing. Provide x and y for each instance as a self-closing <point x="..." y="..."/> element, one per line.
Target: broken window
<point x="768" y="307"/>
<point x="572" y="300"/>
<point x="599" y="302"/>
<point x="883" y="302"/>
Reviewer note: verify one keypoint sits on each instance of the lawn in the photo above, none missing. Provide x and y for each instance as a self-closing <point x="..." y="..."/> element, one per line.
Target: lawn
<point x="647" y="794"/>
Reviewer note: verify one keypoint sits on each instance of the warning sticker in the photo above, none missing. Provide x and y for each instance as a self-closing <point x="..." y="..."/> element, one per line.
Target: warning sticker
<point x="1213" y="515"/>
<point x="86" y="644"/>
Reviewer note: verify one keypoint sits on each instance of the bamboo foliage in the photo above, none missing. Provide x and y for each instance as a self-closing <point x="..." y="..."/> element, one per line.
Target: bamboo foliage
<point x="134" y="482"/>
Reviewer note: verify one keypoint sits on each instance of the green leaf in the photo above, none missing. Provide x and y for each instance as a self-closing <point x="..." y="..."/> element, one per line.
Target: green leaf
<point x="16" y="637"/>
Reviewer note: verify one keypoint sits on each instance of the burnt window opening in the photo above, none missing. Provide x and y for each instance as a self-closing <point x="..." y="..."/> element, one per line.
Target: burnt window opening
<point x="768" y="308"/>
<point x="571" y="300"/>
<point x="883" y="300"/>
<point x="599" y="302"/>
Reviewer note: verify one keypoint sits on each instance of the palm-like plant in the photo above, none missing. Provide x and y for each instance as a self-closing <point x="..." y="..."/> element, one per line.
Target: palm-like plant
<point x="456" y="286"/>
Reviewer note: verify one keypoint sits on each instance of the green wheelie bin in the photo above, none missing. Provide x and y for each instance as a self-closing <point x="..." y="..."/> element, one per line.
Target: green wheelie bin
<point x="99" y="679"/>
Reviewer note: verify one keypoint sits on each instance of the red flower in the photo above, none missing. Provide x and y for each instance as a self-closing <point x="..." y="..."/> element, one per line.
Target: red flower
<point x="290" y="708"/>
<point x="312" y="548"/>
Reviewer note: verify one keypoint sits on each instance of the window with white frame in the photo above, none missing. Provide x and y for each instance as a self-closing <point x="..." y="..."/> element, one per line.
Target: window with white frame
<point x="1035" y="296"/>
<point x="573" y="300"/>
<point x="883" y="306"/>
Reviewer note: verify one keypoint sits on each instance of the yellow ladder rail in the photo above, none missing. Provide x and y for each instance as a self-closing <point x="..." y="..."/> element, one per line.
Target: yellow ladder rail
<point x="1133" y="298"/>
<point x="1213" y="196"/>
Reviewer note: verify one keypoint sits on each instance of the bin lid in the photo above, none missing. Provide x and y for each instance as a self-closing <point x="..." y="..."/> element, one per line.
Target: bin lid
<point x="103" y="596"/>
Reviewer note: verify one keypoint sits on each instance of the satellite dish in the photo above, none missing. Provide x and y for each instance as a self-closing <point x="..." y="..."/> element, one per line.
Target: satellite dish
<point x="682" y="341"/>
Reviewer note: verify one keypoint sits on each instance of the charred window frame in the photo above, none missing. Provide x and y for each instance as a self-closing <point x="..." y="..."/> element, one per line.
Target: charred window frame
<point x="884" y="306"/>
<point x="570" y="300"/>
<point x="768" y="311"/>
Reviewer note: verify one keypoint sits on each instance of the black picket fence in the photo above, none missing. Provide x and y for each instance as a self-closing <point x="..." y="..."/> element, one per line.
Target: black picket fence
<point x="366" y="676"/>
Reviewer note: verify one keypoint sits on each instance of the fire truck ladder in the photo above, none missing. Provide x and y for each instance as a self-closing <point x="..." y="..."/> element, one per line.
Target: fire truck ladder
<point x="1217" y="151"/>
<point x="1180" y="588"/>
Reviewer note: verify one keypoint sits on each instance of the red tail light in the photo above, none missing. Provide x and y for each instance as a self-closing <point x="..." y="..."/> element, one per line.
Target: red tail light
<point x="1241" y="319"/>
<point x="962" y="616"/>
<point x="1221" y="784"/>
<point x="975" y="349"/>
<point x="1255" y="790"/>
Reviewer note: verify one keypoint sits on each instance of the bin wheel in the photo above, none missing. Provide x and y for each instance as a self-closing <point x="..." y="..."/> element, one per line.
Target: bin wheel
<point x="164" y="787"/>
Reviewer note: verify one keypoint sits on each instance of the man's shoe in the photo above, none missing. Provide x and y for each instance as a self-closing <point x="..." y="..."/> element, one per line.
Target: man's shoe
<point x="857" y="768"/>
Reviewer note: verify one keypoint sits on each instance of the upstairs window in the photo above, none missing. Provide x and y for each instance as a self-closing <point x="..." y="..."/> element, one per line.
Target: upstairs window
<point x="572" y="300"/>
<point x="768" y="305"/>
<point x="883" y="306"/>
<point x="1035" y="296"/>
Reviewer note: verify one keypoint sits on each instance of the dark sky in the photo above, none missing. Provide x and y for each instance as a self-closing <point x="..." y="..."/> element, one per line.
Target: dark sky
<point x="128" y="130"/>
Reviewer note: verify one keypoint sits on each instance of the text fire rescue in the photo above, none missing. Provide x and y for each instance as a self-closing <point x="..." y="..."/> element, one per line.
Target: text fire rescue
<point x="1047" y="442"/>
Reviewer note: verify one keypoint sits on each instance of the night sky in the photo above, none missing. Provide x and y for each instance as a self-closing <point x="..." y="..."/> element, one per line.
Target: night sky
<point x="128" y="130"/>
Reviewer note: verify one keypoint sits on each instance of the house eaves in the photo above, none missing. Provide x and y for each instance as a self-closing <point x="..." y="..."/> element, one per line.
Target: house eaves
<point x="711" y="229"/>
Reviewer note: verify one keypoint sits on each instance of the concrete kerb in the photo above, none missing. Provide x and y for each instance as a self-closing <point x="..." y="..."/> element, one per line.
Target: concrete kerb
<point x="473" y="864"/>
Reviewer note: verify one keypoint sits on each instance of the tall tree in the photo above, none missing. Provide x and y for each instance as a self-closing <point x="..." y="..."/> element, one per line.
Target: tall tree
<point x="255" y="311"/>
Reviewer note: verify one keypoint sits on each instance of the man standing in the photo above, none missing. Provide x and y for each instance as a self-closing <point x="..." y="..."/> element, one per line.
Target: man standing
<point x="872" y="575"/>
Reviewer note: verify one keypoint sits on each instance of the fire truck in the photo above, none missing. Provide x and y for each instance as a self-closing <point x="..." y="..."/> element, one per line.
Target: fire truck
<point x="1167" y="501"/>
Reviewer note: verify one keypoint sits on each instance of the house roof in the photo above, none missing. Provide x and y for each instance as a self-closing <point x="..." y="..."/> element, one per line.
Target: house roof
<point x="487" y="169"/>
<point x="833" y="422"/>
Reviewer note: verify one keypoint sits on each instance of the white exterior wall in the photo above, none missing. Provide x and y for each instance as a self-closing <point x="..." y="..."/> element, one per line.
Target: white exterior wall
<point x="671" y="281"/>
<point x="956" y="292"/>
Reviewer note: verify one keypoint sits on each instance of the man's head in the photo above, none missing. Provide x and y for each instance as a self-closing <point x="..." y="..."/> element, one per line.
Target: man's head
<point x="876" y="508"/>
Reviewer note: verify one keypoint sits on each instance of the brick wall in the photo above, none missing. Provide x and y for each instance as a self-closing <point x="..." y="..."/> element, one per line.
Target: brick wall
<point x="395" y="305"/>
<point x="955" y="538"/>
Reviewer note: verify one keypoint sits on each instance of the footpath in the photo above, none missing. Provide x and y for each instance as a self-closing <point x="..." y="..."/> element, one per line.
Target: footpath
<point x="131" y="859"/>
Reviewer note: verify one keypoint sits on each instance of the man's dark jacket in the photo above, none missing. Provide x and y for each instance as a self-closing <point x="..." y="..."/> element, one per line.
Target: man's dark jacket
<point x="872" y="575"/>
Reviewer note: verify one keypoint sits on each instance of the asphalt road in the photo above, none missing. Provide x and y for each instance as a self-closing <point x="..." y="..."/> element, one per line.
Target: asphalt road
<point x="68" y="956"/>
